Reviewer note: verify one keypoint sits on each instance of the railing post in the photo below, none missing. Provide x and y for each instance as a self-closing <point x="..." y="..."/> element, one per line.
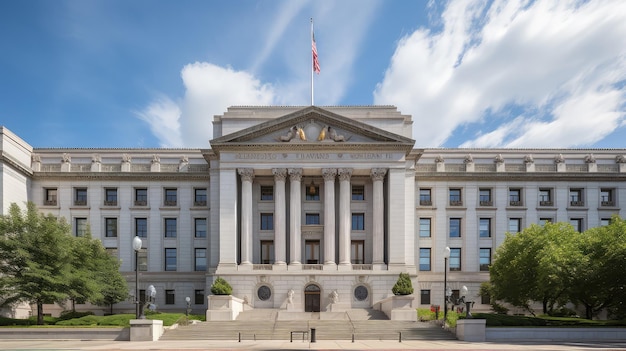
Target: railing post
<point x="239" y="336"/>
<point x="399" y="336"/>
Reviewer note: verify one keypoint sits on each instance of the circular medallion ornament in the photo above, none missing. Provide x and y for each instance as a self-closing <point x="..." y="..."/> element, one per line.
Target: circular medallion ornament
<point x="264" y="293"/>
<point x="360" y="293"/>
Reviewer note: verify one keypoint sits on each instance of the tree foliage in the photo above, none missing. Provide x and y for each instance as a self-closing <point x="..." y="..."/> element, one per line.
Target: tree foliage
<point x="221" y="287"/>
<point x="403" y="285"/>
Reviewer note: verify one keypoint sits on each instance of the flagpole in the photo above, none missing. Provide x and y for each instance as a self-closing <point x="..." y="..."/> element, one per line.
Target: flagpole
<point x="312" y="62"/>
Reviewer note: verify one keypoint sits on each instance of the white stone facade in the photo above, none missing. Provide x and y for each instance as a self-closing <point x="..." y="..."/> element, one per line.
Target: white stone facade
<point x="311" y="200"/>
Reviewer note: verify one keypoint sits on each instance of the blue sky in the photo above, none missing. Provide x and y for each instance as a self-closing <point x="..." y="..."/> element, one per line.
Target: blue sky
<point x="153" y="73"/>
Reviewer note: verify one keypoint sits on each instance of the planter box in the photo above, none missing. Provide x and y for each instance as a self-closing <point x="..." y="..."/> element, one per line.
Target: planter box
<point x="399" y="308"/>
<point x="223" y="308"/>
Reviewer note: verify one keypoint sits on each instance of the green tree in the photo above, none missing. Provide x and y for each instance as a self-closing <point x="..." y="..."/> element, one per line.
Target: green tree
<point x="403" y="285"/>
<point x="221" y="287"/>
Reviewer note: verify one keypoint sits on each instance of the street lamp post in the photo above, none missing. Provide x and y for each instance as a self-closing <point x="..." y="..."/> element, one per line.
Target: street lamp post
<point x="446" y="255"/>
<point x="188" y="300"/>
<point x="137" y="246"/>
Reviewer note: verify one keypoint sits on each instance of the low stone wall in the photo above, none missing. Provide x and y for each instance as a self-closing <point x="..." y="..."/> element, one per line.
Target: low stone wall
<point x="555" y="334"/>
<point x="116" y="334"/>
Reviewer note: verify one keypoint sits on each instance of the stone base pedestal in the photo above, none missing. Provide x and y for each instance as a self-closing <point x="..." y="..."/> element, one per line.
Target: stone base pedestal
<point x="471" y="330"/>
<point x="145" y="329"/>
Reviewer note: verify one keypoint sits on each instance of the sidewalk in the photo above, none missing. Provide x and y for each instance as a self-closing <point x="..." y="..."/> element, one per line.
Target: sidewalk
<point x="300" y="345"/>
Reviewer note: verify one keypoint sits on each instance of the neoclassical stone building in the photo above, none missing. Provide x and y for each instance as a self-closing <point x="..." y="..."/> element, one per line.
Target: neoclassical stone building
<point x="310" y="208"/>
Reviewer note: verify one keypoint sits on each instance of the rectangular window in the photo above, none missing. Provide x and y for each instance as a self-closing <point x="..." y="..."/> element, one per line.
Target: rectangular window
<point x="357" y="252"/>
<point x="50" y="197"/>
<point x="81" y="226"/>
<point x="424" y="259"/>
<point x="170" y="297"/>
<point x="199" y="197"/>
<point x="142" y="295"/>
<point x="267" y="251"/>
<point x="142" y="260"/>
<point x="424" y="227"/>
<point x="576" y="197"/>
<point x="485" y="298"/>
<point x="605" y="221"/>
<point x="543" y="221"/>
<point x="455" y="197"/>
<point x="171" y="197"/>
<point x="577" y="223"/>
<point x="358" y="193"/>
<point x="111" y="227"/>
<point x="485" y="259"/>
<point x="312" y="218"/>
<point x="425" y="199"/>
<point x="425" y="297"/>
<point x="267" y="193"/>
<point x="170" y="259"/>
<point x="515" y="197"/>
<point x="110" y="197"/>
<point x="170" y="227"/>
<point x="198" y="298"/>
<point x="607" y="197"/>
<point x="515" y="225"/>
<point x="199" y="227"/>
<point x="141" y="227"/>
<point x="312" y="192"/>
<point x="141" y="197"/>
<point x="485" y="228"/>
<point x="267" y="221"/>
<point x="485" y="197"/>
<point x="80" y="196"/>
<point x="112" y="251"/>
<point x="545" y="197"/>
<point x="358" y="221"/>
<point x="455" y="227"/>
<point x="312" y="251"/>
<point x="455" y="259"/>
<point x="200" y="254"/>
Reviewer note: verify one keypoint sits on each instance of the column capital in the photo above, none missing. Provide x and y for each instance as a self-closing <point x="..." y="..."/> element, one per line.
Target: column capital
<point x="295" y="174"/>
<point x="279" y="174"/>
<point x="344" y="173"/>
<point x="247" y="174"/>
<point x="378" y="173"/>
<point x="329" y="174"/>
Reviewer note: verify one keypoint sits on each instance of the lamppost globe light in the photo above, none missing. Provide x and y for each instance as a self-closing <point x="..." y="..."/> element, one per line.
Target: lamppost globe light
<point x="137" y="243"/>
<point x="446" y="252"/>
<point x="187" y="299"/>
<point x="448" y="292"/>
<point x="464" y="291"/>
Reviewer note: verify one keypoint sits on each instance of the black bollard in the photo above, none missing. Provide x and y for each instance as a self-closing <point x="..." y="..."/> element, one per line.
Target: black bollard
<point x="399" y="336"/>
<point x="313" y="339"/>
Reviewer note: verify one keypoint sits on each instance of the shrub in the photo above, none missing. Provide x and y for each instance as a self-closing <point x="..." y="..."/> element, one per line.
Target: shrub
<point x="403" y="286"/>
<point x="65" y="315"/>
<point x="221" y="287"/>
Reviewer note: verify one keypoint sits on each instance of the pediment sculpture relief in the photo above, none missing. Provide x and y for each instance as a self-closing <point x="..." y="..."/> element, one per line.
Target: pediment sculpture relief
<point x="295" y="132"/>
<point x="326" y="133"/>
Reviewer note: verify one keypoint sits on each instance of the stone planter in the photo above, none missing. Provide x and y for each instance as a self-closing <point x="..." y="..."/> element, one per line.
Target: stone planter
<point x="399" y="308"/>
<point x="223" y="307"/>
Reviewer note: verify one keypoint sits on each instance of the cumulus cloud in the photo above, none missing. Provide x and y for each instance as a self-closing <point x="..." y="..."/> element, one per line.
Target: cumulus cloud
<point x="515" y="73"/>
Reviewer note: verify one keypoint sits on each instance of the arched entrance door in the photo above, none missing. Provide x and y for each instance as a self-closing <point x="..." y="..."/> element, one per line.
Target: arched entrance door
<point x="312" y="295"/>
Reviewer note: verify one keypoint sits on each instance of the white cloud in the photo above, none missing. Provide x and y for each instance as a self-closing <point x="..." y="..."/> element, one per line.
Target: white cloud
<point x="163" y="115"/>
<point x="561" y="63"/>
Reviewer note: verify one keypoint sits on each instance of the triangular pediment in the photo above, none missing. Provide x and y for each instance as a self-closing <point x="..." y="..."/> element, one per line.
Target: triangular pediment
<point x="312" y="128"/>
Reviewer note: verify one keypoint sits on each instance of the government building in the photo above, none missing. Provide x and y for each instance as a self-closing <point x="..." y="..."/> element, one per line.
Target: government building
<point x="309" y="208"/>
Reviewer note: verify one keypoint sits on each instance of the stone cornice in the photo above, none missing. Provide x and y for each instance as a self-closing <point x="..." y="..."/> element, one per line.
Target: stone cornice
<point x="6" y="158"/>
<point x="152" y="176"/>
<point x="520" y="176"/>
<point x="315" y="146"/>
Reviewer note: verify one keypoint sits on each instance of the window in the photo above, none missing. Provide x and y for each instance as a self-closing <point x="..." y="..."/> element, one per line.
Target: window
<point x="200" y="254"/>
<point x="200" y="227"/>
<point x="312" y="251"/>
<point x="424" y="259"/>
<point x="515" y="224"/>
<point x="198" y="297"/>
<point x="455" y="197"/>
<point x="170" y="297"/>
<point x="605" y="221"/>
<point x="358" y="193"/>
<point x="141" y="227"/>
<point x="484" y="196"/>
<point x="425" y="199"/>
<point x="515" y="197"/>
<point x="424" y="227"/>
<point x="485" y="259"/>
<point x="425" y="297"/>
<point x="358" y="221"/>
<point x="170" y="259"/>
<point x="312" y="192"/>
<point x="267" y="251"/>
<point x="267" y="193"/>
<point x="142" y="260"/>
<point x="357" y="251"/>
<point x="455" y="259"/>
<point x="577" y="223"/>
<point x="576" y="197"/>
<point x="267" y="221"/>
<point x="50" y="197"/>
<point x="199" y="197"/>
<point x="141" y="197"/>
<point x="543" y="221"/>
<point x="171" y="197"/>
<point x="455" y="227"/>
<point x="485" y="227"/>
<point x="81" y="226"/>
<point x="607" y="197"/>
<point x="111" y="227"/>
<point x="170" y="227"/>
<point x="142" y="295"/>
<point x="80" y="196"/>
<point x="110" y="197"/>
<point x="485" y="298"/>
<point x="545" y="197"/>
<point x="112" y="251"/>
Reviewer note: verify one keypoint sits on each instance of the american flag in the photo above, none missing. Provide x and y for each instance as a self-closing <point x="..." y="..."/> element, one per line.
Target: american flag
<point x="316" y="62"/>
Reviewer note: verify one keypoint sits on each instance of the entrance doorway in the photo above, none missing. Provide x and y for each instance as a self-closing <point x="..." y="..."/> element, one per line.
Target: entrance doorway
<point x="312" y="295"/>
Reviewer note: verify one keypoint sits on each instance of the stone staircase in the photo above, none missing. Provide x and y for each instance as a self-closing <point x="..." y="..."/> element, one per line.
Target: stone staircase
<point x="269" y="324"/>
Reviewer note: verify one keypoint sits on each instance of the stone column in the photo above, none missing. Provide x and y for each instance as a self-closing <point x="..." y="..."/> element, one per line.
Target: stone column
<point x="295" y="227"/>
<point x="378" y="175"/>
<point x="345" y="217"/>
<point x="247" y="175"/>
<point x="280" y="239"/>
<point x="329" y="216"/>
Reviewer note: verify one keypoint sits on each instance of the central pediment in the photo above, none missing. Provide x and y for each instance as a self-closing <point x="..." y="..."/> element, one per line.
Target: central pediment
<point x="312" y="128"/>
